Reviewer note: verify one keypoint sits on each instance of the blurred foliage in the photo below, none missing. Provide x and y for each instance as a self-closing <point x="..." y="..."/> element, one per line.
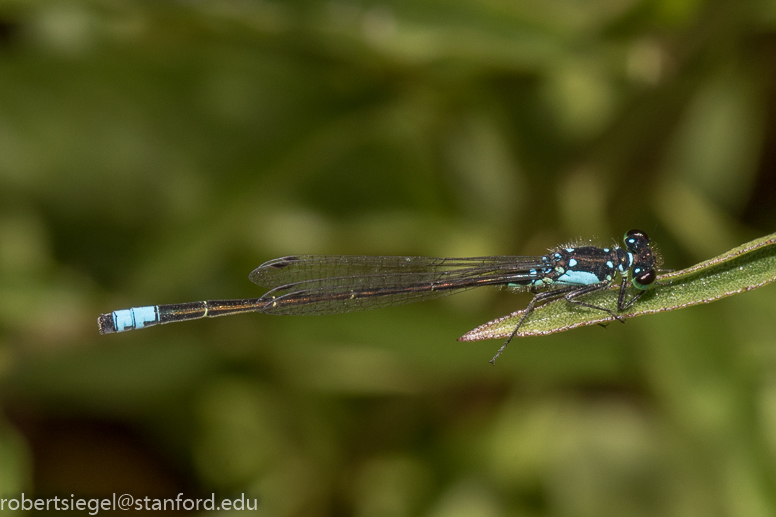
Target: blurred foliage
<point x="156" y="152"/>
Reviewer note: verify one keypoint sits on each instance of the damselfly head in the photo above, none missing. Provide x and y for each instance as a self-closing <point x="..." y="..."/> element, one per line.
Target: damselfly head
<point x="645" y="260"/>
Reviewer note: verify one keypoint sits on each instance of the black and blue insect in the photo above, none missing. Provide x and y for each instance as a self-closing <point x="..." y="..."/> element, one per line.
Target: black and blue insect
<point x="331" y="284"/>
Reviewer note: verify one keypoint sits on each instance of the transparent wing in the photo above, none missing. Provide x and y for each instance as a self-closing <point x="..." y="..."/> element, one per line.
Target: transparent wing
<point x="299" y="268"/>
<point x="322" y="284"/>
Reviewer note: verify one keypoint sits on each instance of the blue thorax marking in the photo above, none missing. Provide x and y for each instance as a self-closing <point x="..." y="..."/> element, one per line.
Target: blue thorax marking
<point x="578" y="278"/>
<point x="624" y="259"/>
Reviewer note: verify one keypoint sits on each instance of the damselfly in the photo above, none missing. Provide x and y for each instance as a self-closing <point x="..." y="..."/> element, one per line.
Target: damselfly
<point x="331" y="284"/>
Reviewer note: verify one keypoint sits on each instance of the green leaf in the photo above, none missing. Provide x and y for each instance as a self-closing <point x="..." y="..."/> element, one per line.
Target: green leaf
<point x="744" y="268"/>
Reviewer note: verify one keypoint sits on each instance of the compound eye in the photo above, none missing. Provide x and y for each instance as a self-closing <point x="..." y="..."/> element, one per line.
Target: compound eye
<point x="636" y="234"/>
<point x="643" y="279"/>
<point x="635" y="240"/>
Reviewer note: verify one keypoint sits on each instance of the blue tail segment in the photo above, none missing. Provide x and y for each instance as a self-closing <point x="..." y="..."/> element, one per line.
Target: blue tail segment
<point x="128" y="319"/>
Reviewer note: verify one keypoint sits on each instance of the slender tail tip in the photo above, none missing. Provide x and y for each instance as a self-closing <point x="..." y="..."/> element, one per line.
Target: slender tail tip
<point x="106" y="324"/>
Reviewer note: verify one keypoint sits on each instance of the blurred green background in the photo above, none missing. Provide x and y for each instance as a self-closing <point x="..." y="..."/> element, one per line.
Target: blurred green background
<point x="156" y="152"/>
